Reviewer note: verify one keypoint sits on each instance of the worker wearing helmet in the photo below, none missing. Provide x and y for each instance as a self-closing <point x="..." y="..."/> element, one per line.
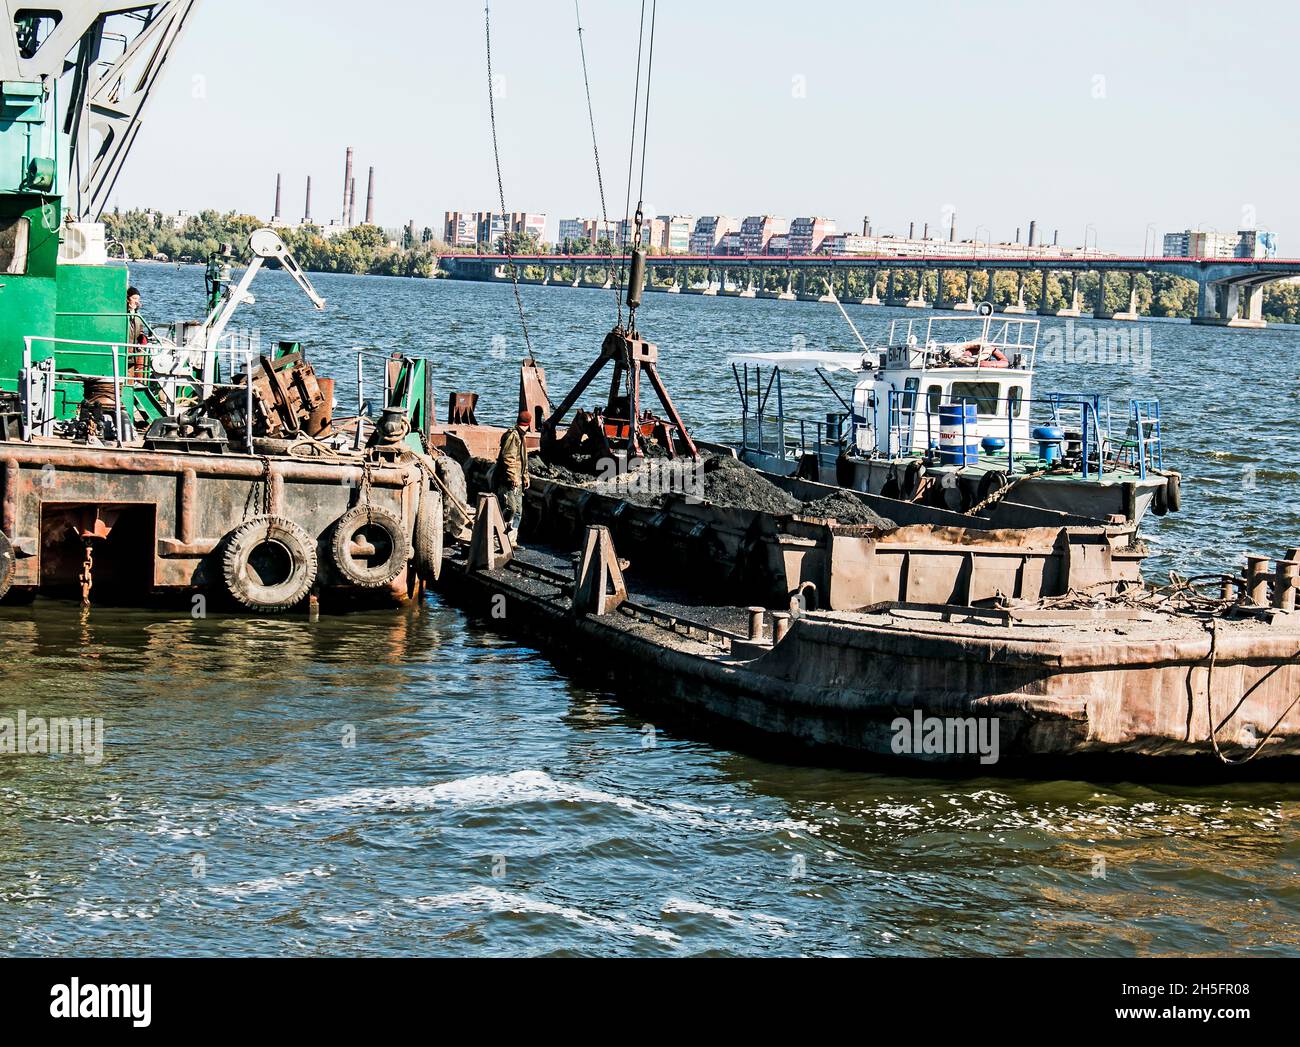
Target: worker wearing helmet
<point x="512" y="472"/>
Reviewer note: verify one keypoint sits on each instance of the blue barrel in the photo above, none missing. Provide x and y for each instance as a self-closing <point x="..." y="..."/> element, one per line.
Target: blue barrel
<point x="1050" y="440"/>
<point x="959" y="442"/>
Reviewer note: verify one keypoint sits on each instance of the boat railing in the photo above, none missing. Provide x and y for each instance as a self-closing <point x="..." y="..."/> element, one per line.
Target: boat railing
<point x="1085" y="418"/>
<point x="793" y="437"/>
<point x="1015" y="337"/>
<point x="131" y="367"/>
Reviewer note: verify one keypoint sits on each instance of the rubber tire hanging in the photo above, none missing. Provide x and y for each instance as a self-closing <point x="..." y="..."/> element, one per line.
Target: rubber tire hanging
<point x="237" y="564"/>
<point x="6" y="564"/>
<point x="346" y="530"/>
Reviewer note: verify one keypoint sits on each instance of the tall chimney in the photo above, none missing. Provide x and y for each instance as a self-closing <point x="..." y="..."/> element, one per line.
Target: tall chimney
<point x="1033" y="231"/>
<point x="306" y="215"/>
<point x="866" y="225"/>
<point x="277" y="198"/>
<point x="352" y="201"/>
<point x="347" y="181"/>
<point x="952" y="229"/>
<point x="370" y="199"/>
<point x="1017" y="234"/>
<point x="1056" y="237"/>
<point x="926" y="234"/>
<point x="911" y="230"/>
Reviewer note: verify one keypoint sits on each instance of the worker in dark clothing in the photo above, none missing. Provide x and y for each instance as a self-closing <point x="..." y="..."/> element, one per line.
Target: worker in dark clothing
<point x="136" y="336"/>
<point x="512" y="472"/>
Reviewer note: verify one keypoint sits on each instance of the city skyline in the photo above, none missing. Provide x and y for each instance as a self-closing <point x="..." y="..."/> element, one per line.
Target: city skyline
<point x="1097" y="117"/>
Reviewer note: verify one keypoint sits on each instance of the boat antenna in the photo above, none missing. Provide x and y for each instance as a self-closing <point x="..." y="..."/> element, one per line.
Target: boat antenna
<point x="501" y="190"/>
<point x="595" y="148"/>
<point x="838" y="305"/>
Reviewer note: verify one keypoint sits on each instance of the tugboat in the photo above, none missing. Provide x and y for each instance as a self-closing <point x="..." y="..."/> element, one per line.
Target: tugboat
<point x="183" y="462"/>
<point x="947" y="415"/>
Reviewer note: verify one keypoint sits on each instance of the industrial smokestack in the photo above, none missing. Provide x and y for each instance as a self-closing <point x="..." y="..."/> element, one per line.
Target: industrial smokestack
<point x="347" y="182"/>
<point x="952" y="229"/>
<point x="866" y="225"/>
<point x="306" y="214"/>
<point x="1017" y="234"/>
<point x="352" y="202"/>
<point x="1033" y="232"/>
<point x="277" y="198"/>
<point x="926" y="234"/>
<point x="370" y="199"/>
<point x="1056" y="237"/>
<point x="911" y="230"/>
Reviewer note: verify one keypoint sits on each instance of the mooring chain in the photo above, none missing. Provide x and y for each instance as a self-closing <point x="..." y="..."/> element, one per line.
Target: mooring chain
<point x="266" y="485"/>
<point x="501" y="188"/>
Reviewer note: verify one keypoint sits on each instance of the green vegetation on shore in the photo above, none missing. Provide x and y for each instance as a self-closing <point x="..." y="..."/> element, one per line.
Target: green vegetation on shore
<point x="362" y="250"/>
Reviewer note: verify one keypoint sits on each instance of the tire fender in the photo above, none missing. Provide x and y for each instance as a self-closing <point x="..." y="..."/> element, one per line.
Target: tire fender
<point x="268" y="564"/>
<point x="383" y="532"/>
<point x="6" y="564"/>
<point x="429" y="530"/>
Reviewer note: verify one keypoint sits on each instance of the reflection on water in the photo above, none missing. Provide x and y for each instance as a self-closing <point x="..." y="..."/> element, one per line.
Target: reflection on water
<point x="409" y="782"/>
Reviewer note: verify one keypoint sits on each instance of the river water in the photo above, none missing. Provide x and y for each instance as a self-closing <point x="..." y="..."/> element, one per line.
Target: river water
<point x="411" y="782"/>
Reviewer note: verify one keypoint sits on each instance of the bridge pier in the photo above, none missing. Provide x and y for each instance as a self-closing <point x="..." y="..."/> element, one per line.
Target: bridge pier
<point x="991" y="295"/>
<point x="968" y="306"/>
<point x="1018" y="306"/>
<point x="871" y="298"/>
<point x="919" y="301"/>
<point x="1132" y="312"/>
<point x="940" y="293"/>
<point x="1219" y="305"/>
<point x="1072" y="300"/>
<point x="1099" y="311"/>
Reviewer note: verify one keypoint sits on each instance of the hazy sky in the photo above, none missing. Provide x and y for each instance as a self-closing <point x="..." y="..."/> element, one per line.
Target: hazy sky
<point x="1118" y="114"/>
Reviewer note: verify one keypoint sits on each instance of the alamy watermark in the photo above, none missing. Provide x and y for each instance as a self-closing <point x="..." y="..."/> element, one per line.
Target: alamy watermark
<point x="23" y="735"/>
<point x="946" y="736"/>
<point x="654" y="476"/>
<point x="1124" y="345"/>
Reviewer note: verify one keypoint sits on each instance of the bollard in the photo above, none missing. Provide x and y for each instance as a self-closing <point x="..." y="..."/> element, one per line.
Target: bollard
<point x="756" y="624"/>
<point x="780" y="626"/>
<point x="1228" y="593"/>
<point x="1284" y="584"/>
<point x="1257" y="581"/>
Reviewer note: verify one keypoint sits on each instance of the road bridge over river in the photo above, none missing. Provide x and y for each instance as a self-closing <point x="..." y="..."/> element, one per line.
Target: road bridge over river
<point x="1230" y="289"/>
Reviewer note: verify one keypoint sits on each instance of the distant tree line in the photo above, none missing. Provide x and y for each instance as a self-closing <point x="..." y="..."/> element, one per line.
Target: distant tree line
<point x="361" y="250"/>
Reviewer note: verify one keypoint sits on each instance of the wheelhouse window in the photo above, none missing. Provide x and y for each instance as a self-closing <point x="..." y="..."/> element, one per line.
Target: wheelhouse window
<point x="1017" y="399"/>
<point x="13" y="245"/>
<point x="984" y="395"/>
<point x="934" y="398"/>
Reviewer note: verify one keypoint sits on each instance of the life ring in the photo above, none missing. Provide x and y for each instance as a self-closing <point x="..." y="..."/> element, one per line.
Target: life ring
<point x="429" y="528"/>
<point x="1174" y="492"/>
<point x="369" y="546"/>
<point x="6" y="564"/>
<point x="910" y="486"/>
<point x="269" y="564"/>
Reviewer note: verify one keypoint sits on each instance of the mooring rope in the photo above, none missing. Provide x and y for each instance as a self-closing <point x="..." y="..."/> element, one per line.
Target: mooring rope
<point x="1209" y="707"/>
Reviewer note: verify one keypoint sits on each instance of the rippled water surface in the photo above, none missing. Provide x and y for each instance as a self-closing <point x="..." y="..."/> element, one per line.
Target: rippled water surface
<point x="411" y="782"/>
